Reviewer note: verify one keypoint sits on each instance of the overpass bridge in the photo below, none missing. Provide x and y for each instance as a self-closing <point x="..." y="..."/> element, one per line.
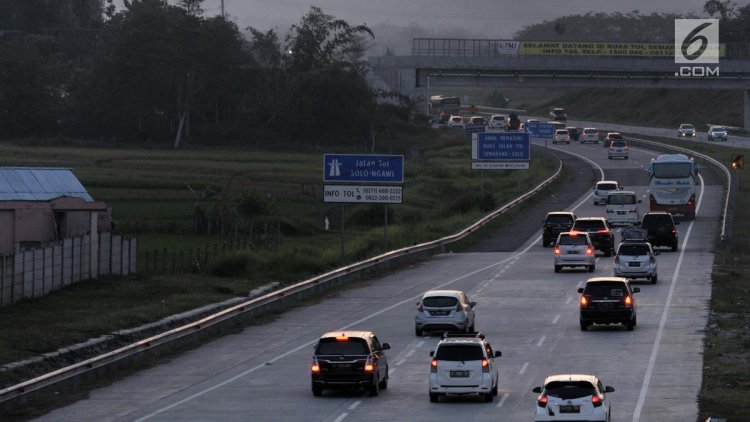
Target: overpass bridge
<point x="421" y="75"/>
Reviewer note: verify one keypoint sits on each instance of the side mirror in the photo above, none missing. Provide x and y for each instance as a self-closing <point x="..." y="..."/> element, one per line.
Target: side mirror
<point x="594" y="188"/>
<point x="636" y="289"/>
<point x="580" y="290"/>
<point x="498" y="353"/>
<point x="472" y="304"/>
<point x="386" y="346"/>
<point x="432" y="353"/>
<point x="537" y="390"/>
<point x="640" y="201"/>
<point x="657" y="253"/>
<point x="609" y="389"/>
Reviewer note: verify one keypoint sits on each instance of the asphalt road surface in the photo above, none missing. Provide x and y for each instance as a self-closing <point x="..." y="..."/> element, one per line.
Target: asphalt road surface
<point x="525" y="309"/>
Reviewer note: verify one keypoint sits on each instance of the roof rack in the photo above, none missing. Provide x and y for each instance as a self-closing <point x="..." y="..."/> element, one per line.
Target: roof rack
<point x="464" y="335"/>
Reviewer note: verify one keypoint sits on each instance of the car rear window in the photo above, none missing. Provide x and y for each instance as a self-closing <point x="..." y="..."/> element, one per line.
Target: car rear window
<point x="498" y="118"/>
<point x="653" y="221"/>
<point x="440" y="302"/>
<point x="351" y="346"/>
<point x="459" y="352"/>
<point x="561" y="132"/>
<point x="634" y="250"/>
<point x="589" y="131"/>
<point x="619" y="144"/>
<point x="615" y="199"/>
<point x="567" y="390"/>
<point x="605" y="289"/>
<point x="615" y="136"/>
<point x="606" y="186"/>
<point x="559" y="219"/>
<point x="588" y="224"/>
<point x="687" y="126"/>
<point x="573" y="240"/>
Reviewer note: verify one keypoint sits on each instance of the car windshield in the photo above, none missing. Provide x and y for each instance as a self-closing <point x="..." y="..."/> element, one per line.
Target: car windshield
<point x="440" y="302"/>
<point x="606" y="186"/>
<point x="498" y="118"/>
<point x="588" y="225"/>
<point x="568" y="390"/>
<point x="615" y="199"/>
<point x="605" y="289"/>
<point x="687" y="126"/>
<point x="573" y="240"/>
<point x="562" y="132"/>
<point x="719" y="129"/>
<point x="350" y="346"/>
<point x="559" y="219"/>
<point x="615" y="136"/>
<point x="459" y="352"/>
<point x="634" y="250"/>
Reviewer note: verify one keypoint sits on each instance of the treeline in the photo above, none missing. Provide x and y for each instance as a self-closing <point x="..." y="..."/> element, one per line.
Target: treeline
<point x="734" y="26"/>
<point x="165" y="73"/>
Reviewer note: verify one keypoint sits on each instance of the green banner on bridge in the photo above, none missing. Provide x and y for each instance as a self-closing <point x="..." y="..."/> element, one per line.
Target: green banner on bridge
<point x="599" y="49"/>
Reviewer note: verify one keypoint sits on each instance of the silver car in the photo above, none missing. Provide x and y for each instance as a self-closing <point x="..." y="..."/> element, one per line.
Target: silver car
<point x="717" y="133"/>
<point x="686" y="129"/>
<point x="618" y="149"/>
<point x="636" y="259"/>
<point x="574" y="249"/>
<point x="444" y="310"/>
<point x="602" y="190"/>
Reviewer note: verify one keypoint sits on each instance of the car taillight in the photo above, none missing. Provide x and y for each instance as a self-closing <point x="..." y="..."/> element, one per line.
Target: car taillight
<point x="369" y="365"/>
<point x="584" y="302"/>
<point x="433" y="365"/>
<point x="542" y="401"/>
<point x="485" y="365"/>
<point x="419" y="307"/>
<point x="628" y="302"/>
<point x="589" y="251"/>
<point x="557" y="251"/>
<point x="459" y="308"/>
<point x="617" y="260"/>
<point x="674" y="231"/>
<point x="603" y="231"/>
<point x="652" y="200"/>
<point x="315" y="367"/>
<point x="691" y="201"/>
<point x="596" y="400"/>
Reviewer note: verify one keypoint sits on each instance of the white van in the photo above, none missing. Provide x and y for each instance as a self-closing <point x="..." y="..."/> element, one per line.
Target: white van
<point x="622" y="207"/>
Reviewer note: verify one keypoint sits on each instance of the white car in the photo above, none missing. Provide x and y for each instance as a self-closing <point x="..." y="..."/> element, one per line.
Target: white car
<point x="444" y="310"/>
<point x="686" y="129"/>
<point x="561" y="135"/>
<point x="618" y="149"/>
<point x="574" y="249"/>
<point x="603" y="188"/>
<point x="572" y="397"/>
<point x="622" y="208"/>
<point x="456" y="121"/>
<point x="463" y="364"/>
<point x="498" y="121"/>
<point x="589" y="135"/>
<point x="717" y="133"/>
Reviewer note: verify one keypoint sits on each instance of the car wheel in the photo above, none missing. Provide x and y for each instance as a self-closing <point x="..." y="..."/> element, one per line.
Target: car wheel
<point x="384" y="383"/>
<point x="494" y="390"/>
<point x="558" y="268"/>
<point x="434" y="397"/>
<point x="417" y="332"/>
<point x="584" y="326"/>
<point x="654" y="279"/>
<point x="635" y="320"/>
<point x="374" y="388"/>
<point x="626" y="157"/>
<point x="487" y="397"/>
<point x="471" y="328"/>
<point x="317" y="391"/>
<point x="592" y="268"/>
<point x="630" y="325"/>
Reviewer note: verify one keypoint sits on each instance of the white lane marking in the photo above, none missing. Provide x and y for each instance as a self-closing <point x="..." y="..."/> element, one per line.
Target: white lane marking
<point x="557" y="318"/>
<point x="569" y="299"/>
<point x="391" y="371"/>
<point x="479" y="290"/>
<point x="580" y="284"/>
<point x="341" y="417"/>
<point x="523" y="368"/>
<point x="411" y="352"/>
<point x="502" y="400"/>
<point x="401" y="362"/>
<point x="541" y="340"/>
<point x="420" y="344"/>
<point x="664" y="314"/>
<point x="355" y="404"/>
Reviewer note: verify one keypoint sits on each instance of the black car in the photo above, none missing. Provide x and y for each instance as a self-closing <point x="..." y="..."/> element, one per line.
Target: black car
<point x="555" y="223"/>
<point x="608" y="300"/>
<point x="600" y="232"/>
<point x="575" y="133"/>
<point x="662" y="230"/>
<point x="349" y="359"/>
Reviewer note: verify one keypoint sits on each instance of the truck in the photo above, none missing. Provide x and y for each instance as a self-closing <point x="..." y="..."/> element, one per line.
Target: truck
<point x="558" y="114"/>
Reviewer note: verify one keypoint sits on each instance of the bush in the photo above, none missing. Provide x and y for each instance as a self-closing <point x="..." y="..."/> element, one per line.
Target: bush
<point x="235" y="264"/>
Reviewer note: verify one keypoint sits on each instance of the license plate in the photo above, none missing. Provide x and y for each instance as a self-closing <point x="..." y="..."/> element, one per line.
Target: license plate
<point x="569" y="408"/>
<point x="621" y="212"/>
<point x="439" y="313"/>
<point x="605" y="305"/>
<point x="573" y="252"/>
<point x="459" y="374"/>
<point x="634" y="264"/>
<point x="342" y="365"/>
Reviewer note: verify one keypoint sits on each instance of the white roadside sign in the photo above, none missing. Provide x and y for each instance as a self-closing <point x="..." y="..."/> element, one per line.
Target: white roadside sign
<point x="363" y="194"/>
<point x="495" y="165"/>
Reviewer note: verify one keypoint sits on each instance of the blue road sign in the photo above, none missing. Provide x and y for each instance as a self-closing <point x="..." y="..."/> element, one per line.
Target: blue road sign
<point x="363" y="168"/>
<point x="540" y="130"/>
<point x="501" y="146"/>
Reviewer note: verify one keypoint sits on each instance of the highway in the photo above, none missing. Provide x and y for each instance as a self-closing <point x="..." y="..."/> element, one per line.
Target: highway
<point x="525" y="309"/>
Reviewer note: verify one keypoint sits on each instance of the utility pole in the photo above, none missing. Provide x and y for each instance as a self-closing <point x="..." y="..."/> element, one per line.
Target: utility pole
<point x="222" y="10"/>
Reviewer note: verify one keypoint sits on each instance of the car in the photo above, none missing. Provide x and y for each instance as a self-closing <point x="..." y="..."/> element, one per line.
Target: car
<point x="661" y="228"/>
<point x="444" y="310"/>
<point x="589" y="134"/>
<point x="558" y="114"/>
<point x="463" y="364"/>
<point x="608" y="300"/>
<point x="575" y="133"/>
<point x="477" y="120"/>
<point x="561" y="135"/>
<point x="622" y="208"/>
<point x="497" y="121"/>
<point x="717" y="133"/>
<point x="555" y="223"/>
<point x="602" y="190"/>
<point x="601" y="234"/>
<point x="532" y="121"/>
<point x="349" y="359"/>
<point x="456" y="121"/>
<point x="618" y="149"/>
<point x="567" y="397"/>
<point x="635" y="258"/>
<point x="574" y="249"/>
<point x="612" y="136"/>
<point x="686" y="129"/>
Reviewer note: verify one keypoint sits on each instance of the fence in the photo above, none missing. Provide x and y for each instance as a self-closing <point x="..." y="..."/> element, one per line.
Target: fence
<point x="163" y="261"/>
<point x="35" y="273"/>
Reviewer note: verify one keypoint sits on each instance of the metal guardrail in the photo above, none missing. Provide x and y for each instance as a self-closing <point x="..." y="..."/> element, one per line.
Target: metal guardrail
<point x="60" y="376"/>
<point x="725" y="222"/>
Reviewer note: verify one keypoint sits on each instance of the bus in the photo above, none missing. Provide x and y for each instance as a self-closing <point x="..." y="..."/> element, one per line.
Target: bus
<point x="441" y="107"/>
<point x="672" y="181"/>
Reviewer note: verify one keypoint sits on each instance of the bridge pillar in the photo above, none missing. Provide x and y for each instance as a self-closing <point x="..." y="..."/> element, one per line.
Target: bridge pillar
<point x="747" y="110"/>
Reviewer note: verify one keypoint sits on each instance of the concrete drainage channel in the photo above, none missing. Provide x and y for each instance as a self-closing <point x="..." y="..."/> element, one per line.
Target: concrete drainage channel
<point x="238" y="314"/>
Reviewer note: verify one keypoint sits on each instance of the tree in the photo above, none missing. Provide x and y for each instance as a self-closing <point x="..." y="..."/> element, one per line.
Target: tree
<point x="193" y="7"/>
